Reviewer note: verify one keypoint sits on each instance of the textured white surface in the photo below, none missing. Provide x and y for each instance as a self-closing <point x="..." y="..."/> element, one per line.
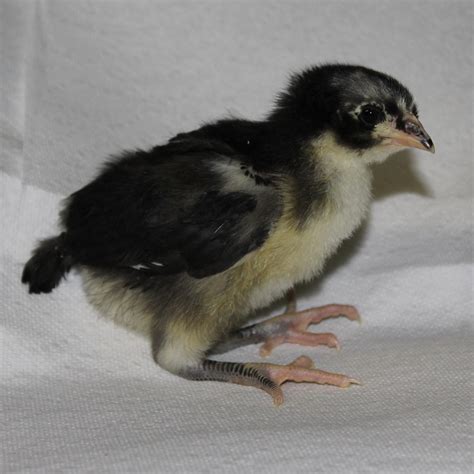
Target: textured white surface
<point x="80" y="80"/>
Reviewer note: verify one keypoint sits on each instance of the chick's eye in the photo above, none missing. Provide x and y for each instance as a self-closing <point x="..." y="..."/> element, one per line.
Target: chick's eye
<point x="370" y="115"/>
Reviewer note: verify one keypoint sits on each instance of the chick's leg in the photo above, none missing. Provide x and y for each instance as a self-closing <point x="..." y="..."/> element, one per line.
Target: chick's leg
<point x="183" y="353"/>
<point x="290" y="327"/>
<point x="268" y="377"/>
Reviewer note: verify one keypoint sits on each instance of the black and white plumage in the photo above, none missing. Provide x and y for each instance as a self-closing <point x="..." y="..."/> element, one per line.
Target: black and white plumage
<point x="198" y="233"/>
<point x="172" y="210"/>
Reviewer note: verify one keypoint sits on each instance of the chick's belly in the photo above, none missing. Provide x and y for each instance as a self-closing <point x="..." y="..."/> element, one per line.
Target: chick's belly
<point x="284" y="273"/>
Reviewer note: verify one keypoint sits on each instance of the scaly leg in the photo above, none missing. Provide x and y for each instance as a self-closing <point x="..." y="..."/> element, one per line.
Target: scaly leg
<point x="289" y="327"/>
<point x="181" y="349"/>
<point x="268" y="377"/>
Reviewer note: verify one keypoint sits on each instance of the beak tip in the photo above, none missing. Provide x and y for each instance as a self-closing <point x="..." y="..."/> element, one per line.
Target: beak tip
<point x="429" y="145"/>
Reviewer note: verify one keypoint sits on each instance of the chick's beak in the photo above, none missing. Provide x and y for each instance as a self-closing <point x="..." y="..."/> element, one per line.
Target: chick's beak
<point x="411" y="134"/>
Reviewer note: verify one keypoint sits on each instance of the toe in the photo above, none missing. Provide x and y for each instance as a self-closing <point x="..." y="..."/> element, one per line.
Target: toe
<point x="270" y="344"/>
<point x="313" y="339"/>
<point x="304" y="362"/>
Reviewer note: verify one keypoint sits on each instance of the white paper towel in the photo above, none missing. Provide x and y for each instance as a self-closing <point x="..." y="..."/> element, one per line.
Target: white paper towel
<point x="80" y="80"/>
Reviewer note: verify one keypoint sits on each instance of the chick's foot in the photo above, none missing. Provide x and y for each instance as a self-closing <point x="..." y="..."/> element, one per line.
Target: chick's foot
<point x="291" y="327"/>
<point x="268" y="377"/>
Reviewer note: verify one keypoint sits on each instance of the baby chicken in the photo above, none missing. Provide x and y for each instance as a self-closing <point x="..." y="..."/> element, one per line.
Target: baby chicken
<point x="183" y="242"/>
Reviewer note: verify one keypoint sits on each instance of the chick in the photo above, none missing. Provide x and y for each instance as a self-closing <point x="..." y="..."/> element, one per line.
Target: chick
<point x="182" y="243"/>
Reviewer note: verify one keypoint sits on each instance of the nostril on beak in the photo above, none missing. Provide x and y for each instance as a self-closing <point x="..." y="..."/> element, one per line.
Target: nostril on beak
<point x="413" y="129"/>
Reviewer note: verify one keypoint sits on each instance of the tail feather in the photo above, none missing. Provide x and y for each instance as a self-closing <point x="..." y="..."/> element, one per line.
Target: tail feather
<point x="47" y="266"/>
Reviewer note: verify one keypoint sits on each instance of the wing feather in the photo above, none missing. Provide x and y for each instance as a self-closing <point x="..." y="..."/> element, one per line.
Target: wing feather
<point x="189" y="206"/>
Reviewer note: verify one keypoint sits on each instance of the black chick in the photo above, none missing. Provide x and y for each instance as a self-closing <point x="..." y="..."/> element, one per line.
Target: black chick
<point x="185" y="241"/>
